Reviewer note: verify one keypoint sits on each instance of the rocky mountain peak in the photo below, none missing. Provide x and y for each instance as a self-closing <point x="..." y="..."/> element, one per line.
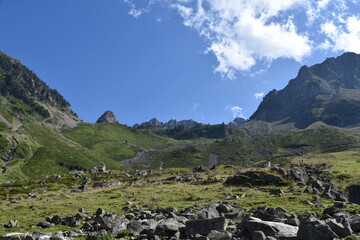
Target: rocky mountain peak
<point x="327" y="92"/>
<point x="237" y="122"/>
<point x="107" y="117"/>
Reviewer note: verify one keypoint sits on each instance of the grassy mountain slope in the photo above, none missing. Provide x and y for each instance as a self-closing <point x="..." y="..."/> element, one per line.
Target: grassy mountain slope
<point x="116" y="141"/>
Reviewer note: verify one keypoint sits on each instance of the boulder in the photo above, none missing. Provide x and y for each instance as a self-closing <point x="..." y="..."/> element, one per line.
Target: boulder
<point x="341" y="228"/>
<point x="209" y="211"/>
<point x="299" y="175"/>
<point x="265" y="164"/>
<point x="256" y="178"/>
<point x="312" y="229"/>
<point x="12" y="224"/>
<point x="205" y="226"/>
<point x="170" y="225"/>
<point x="15" y="236"/>
<point x="274" y="229"/>
<point x="137" y="227"/>
<point x="112" y="223"/>
<point x="354" y="193"/>
<point x="216" y="235"/>
<point x="354" y="222"/>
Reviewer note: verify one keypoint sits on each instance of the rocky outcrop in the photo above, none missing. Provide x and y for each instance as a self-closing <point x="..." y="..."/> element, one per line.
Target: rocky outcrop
<point x="171" y="124"/>
<point x="237" y="122"/>
<point x="107" y="117"/>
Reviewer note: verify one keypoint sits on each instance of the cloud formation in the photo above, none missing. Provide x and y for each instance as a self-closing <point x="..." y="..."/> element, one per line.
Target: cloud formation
<point x="259" y="95"/>
<point x="235" y="110"/>
<point x="342" y="36"/>
<point x="245" y="33"/>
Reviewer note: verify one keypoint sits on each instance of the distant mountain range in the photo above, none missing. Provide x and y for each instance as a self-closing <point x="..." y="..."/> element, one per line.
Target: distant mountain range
<point x="183" y="123"/>
<point x="41" y="135"/>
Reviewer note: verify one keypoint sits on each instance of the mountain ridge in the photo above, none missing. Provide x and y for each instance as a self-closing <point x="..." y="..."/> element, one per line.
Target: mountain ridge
<point x="327" y="92"/>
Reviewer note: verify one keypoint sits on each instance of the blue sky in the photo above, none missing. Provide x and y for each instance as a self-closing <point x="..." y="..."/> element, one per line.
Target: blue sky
<point x="207" y="60"/>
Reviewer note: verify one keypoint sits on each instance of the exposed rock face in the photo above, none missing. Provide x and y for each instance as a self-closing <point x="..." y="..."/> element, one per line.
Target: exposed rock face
<point x="107" y="117"/>
<point x="185" y="123"/>
<point x="327" y="92"/>
<point x="237" y="122"/>
<point x="20" y="82"/>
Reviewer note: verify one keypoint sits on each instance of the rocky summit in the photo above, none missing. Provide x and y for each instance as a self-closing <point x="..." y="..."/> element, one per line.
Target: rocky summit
<point x="327" y="92"/>
<point x="107" y="117"/>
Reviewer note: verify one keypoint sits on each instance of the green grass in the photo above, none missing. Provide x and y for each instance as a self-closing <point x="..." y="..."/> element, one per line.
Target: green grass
<point x="346" y="165"/>
<point x="116" y="141"/>
<point x="57" y="199"/>
<point x="55" y="155"/>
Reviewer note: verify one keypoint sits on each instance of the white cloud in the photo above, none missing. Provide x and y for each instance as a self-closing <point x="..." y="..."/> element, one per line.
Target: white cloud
<point x="247" y="35"/>
<point x="345" y="36"/>
<point x="259" y="95"/>
<point x="137" y="12"/>
<point x="195" y="106"/>
<point x="235" y="110"/>
<point x="240" y="32"/>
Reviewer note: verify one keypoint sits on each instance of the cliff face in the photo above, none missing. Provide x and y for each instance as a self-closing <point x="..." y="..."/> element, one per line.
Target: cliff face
<point x="18" y="81"/>
<point x="24" y="98"/>
<point x="328" y="92"/>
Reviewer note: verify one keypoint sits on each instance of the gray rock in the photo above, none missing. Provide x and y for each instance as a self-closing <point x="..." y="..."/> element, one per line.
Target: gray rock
<point x="56" y="219"/>
<point x="45" y="224"/>
<point x="342" y="229"/>
<point x="331" y="210"/>
<point x="100" y="212"/>
<point x="137" y="227"/>
<point x="12" y="224"/>
<point x="204" y="226"/>
<point x="14" y="236"/>
<point x="275" y="229"/>
<point x="293" y="220"/>
<point x="112" y="223"/>
<point x="208" y="212"/>
<point x="216" y="235"/>
<point x="313" y="229"/>
<point x="235" y="214"/>
<point x="265" y="164"/>
<point x="354" y="193"/>
<point x="170" y="225"/>
<point x="299" y="175"/>
<point x="258" y="235"/>
<point x="354" y="222"/>
<point x="59" y="236"/>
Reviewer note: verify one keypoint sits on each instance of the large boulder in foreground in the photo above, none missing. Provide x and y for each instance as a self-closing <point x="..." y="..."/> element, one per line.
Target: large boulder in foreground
<point x="255" y="178"/>
<point x="273" y="229"/>
<point x="107" y="117"/>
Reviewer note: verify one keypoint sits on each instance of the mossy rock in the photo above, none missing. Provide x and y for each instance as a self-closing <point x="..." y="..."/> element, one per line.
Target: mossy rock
<point x="255" y="178"/>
